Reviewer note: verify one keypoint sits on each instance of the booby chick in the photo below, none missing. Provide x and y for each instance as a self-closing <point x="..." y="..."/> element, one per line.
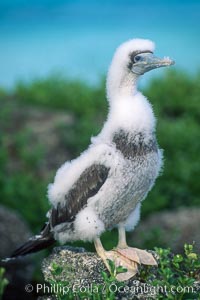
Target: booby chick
<point x="104" y="187"/>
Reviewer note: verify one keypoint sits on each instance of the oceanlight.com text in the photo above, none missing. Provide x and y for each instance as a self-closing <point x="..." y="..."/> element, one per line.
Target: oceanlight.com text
<point x="101" y="289"/>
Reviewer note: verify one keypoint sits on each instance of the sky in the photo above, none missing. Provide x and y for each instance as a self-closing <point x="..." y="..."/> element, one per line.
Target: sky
<point x="78" y="38"/>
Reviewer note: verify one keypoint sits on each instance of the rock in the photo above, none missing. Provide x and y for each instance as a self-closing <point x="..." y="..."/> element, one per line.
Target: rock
<point x="14" y="232"/>
<point x="78" y="264"/>
<point x="170" y="229"/>
<point x="82" y="271"/>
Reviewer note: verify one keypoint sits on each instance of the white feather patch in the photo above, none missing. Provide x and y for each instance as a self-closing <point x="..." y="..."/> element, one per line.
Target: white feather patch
<point x="133" y="218"/>
<point x="87" y="225"/>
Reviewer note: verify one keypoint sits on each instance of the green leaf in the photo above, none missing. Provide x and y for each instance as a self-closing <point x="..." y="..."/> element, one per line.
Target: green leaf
<point x="121" y="269"/>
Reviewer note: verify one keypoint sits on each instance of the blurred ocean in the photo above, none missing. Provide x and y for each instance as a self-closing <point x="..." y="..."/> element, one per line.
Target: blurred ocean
<point x="78" y="38"/>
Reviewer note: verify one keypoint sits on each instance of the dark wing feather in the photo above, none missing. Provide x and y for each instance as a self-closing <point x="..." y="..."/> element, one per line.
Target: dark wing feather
<point x="85" y="187"/>
<point x="36" y="243"/>
<point x="88" y="184"/>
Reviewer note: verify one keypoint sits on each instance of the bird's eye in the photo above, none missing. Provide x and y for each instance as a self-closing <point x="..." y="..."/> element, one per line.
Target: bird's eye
<point x="137" y="58"/>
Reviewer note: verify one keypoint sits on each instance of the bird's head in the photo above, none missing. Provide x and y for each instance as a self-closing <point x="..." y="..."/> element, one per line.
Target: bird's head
<point x="131" y="60"/>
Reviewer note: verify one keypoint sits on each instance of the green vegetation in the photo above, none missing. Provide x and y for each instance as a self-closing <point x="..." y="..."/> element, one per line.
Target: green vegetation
<point x="174" y="279"/>
<point x="3" y="281"/>
<point x="176" y="274"/>
<point x="87" y="105"/>
<point x="23" y="177"/>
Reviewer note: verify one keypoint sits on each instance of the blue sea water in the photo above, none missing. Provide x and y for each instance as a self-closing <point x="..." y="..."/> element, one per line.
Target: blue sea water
<point x="78" y="37"/>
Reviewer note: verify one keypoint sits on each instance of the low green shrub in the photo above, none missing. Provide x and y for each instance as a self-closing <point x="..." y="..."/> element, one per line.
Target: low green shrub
<point x="3" y="281"/>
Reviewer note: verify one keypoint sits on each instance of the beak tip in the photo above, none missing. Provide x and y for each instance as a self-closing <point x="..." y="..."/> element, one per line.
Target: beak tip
<point x="169" y="61"/>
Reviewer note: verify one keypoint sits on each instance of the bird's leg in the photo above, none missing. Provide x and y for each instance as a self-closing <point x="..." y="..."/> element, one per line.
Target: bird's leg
<point x="107" y="255"/>
<point x="101" y="252"/>
<point x="124" y="256"/>
<point x="135" y="255"/>
<point x="118" y="259"/>
<point x="122" y="238"/>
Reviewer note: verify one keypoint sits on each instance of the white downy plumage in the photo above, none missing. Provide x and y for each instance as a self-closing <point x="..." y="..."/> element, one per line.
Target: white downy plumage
<point x="131" y="112"/>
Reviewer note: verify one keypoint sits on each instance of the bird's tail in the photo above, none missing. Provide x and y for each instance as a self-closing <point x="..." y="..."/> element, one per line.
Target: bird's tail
<point x="36" y="243"/>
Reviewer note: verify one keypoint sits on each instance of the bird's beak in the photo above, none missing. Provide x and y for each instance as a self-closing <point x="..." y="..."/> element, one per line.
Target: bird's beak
<point x="148" y="62"/>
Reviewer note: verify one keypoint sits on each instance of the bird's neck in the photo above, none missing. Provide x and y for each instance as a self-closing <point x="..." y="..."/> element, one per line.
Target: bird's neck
<point x="120" y="85"/>
<point x="133" y="113"/>
<point x="129" y="109"/>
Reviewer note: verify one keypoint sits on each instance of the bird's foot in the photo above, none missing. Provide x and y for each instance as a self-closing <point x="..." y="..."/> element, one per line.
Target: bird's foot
<point x="120" y="260"/>
<point x="137" y="255"/>
<point x="134" y="257"/>
<point x="126" y="257"/>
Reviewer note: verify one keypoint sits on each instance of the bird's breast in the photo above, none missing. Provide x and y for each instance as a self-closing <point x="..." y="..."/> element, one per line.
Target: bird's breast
<point x="134" y="145"/>
<point x="135" y="175"/>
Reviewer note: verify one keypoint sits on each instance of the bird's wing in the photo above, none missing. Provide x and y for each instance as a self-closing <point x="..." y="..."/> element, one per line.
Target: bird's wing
<point x="87" y="185"/>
